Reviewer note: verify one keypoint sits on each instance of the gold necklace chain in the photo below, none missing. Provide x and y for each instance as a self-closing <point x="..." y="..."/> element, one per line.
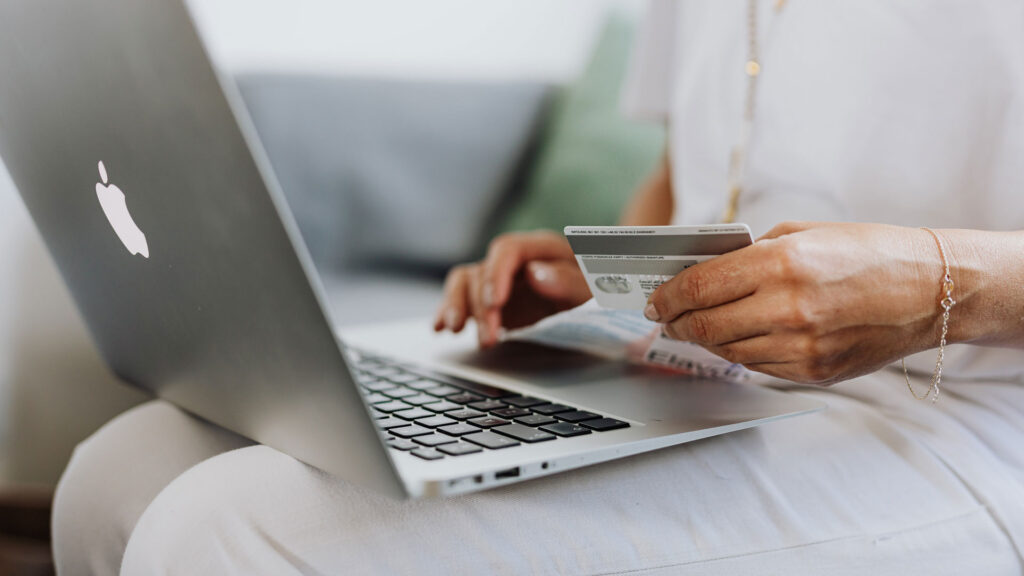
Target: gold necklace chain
<point x="752" y="68"/>
<point x="737" y="168"/>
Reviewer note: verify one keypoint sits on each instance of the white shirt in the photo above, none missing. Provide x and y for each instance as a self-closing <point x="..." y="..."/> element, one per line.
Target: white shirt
<point x="901" y="112"/>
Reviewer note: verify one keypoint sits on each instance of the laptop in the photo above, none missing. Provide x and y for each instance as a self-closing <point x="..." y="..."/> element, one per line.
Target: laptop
<point x="143" y="173"/>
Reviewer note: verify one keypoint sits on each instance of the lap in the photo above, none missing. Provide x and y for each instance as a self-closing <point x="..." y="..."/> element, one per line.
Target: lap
<point x="116" y="473"/>
<point x="838" y="492"/>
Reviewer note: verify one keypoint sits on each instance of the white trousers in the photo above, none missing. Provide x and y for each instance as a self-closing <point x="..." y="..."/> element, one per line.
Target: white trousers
<point x="878" y="484"/>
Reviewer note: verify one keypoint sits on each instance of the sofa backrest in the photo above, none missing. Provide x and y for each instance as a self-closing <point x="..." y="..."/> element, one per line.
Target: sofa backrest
<point x="393" y="171"/>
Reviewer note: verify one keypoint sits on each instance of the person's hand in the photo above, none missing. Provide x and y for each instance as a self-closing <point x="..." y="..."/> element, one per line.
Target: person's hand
<point x="813" y="303"/>
<point x="525" y="277"/>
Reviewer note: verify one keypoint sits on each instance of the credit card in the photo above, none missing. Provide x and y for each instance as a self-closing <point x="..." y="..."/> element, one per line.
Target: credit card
<point x="624" y="265"/>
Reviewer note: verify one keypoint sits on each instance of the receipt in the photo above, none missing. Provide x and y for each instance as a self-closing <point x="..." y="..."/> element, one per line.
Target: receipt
<point x="589" y="328"/>
<point x="626" y="335"/>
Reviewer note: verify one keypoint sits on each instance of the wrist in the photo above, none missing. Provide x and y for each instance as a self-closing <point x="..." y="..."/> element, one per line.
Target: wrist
<point x="927" y="289"/>
<point x="982" y="269"/>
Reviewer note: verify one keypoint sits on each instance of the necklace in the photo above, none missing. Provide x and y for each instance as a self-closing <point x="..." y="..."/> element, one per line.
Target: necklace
<point x="752" y="68"/>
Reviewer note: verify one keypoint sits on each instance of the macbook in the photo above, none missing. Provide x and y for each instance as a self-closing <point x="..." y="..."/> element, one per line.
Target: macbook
<point x="142" y="171"/>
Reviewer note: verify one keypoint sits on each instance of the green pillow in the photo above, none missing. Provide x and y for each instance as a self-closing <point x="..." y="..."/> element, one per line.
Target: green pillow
<point x="590" y="157"/>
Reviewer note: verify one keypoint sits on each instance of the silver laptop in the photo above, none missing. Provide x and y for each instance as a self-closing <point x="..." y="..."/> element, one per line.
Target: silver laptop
<point x="142" y="171"/>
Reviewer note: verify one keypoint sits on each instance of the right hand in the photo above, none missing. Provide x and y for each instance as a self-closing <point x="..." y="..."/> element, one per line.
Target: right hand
<point x="526" y="276"/>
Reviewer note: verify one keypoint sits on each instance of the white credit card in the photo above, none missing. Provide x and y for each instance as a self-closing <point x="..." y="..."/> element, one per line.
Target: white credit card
<point x="625" y="264"/>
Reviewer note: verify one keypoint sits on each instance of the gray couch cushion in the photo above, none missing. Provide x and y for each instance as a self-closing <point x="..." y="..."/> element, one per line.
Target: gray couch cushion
<point x="397" y="171"/>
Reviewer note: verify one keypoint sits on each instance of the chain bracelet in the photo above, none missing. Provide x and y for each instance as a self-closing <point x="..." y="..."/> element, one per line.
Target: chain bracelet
<point x="946" y="304"/>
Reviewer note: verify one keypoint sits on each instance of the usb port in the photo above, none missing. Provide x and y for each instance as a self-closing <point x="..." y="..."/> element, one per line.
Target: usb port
<point x="510" y="473"/>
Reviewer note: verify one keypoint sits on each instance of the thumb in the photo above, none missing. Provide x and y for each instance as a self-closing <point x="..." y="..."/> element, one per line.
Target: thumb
<point x="559" y="280"/>
<point x="785" y="228"/>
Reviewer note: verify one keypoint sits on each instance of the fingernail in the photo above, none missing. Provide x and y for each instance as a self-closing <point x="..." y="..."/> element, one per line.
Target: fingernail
<point x="451" y="317"/>
<point x="488" y="295"/>
<point x="541" y="273"/>
<point x="483" y="334"/>
<point x="651" y="313"/>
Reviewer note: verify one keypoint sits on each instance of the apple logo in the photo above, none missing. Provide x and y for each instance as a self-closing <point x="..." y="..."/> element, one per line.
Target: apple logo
<point x="113" y="204"/>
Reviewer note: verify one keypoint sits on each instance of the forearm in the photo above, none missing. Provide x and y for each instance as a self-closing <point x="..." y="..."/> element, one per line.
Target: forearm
<point x="988" y="273"/>
<point x="651" y="205"/>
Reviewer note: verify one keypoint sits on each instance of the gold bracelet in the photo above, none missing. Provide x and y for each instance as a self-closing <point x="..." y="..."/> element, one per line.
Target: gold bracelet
<point x="946" y="304"/>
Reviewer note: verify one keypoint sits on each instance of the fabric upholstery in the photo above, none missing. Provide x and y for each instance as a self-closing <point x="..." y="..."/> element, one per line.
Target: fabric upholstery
<point x="591" y="157"/>
<point x="400" y="171"/>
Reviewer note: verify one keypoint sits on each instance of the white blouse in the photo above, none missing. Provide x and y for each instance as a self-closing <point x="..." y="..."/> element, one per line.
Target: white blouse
<point x="902" y="112"/>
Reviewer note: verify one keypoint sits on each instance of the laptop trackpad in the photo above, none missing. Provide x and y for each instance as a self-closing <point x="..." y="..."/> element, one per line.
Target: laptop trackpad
<point x="616" y="388"/>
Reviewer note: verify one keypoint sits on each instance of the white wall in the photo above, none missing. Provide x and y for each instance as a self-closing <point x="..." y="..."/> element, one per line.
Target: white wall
<point x="463" y="39"/>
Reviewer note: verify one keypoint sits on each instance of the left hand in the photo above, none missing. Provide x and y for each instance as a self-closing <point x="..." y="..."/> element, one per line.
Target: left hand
<point x="811" y="302"/>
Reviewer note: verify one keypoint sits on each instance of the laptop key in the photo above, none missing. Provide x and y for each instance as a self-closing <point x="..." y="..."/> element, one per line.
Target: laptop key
<point x="435" y="421"/>
<point x="410" y="431"/>
<point x="460" y="448"/>
<point x="525" y="401"/>
<point x="377" y="414"/>
<point x="420" y="399"/>
<point x="376" y="398"/>
<point x="393" y="406"/>
<point x="442" y="390"/>
<point x="480" y="388"/>
<point x="463" y="398"/>
<point x="490" y="440"/>
<point x="487" y="405"/>
<point x="524" y="433"/>
<point x="566" y="429"/>
<point x="397" y="392"/>
<point x="488" y="422"/>
<point x="464" y="414"/>
<point x="390" y="422"/>
<point x="384" y="371"/>
<point x="604" y="424"/>
<point x="403" y="378"/>
<point x="402" y="444"/>
<point x="577" y="416"/>
<point x="427" y="453"/>
<point x="442" y="406"/>
<point x="378" y="385"/>
<point x="436" y="439"/>
<point x="510" y="412"/>
<point x="551" y="408"/>
<point x="459" y="429"/>
<point x="413" y="413"/>
<point x="421" y="384"/>
<point x="535" y="420"/>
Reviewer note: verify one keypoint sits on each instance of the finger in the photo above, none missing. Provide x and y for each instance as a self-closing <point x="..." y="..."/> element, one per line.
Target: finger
<point x="784" y="228"/>
<point x="768" y="348"/>
<point x="452" y="313"/>
<point x="559" y="280"/>
<point x="713" y="282"/>
<point x="781" y="370"/>
<point x="738" y="320"/>
<point x="487" y="320"/>
<point x="509" y="253"/>
<point x="475" y="307"/>
<point x="797" y="357"/>
<point x="794" y="372"/>
<point x="797" y="347"/>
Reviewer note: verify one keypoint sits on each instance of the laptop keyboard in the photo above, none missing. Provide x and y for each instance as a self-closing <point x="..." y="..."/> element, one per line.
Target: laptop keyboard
<point x="435" y="416"/>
